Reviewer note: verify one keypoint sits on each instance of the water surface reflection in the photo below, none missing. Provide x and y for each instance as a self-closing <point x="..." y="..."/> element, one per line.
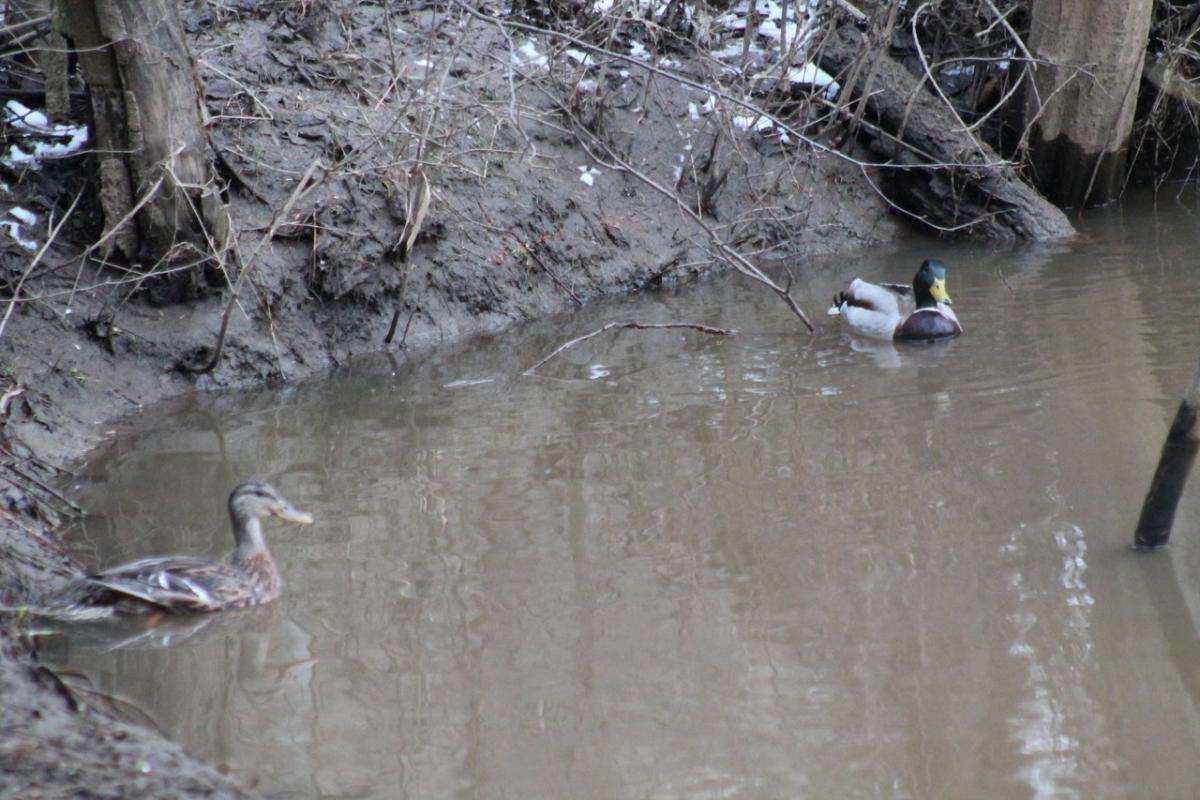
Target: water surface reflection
<point x="672" y="565"/>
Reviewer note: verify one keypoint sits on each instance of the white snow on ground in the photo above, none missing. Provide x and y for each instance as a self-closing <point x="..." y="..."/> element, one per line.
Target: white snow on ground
<point x="801" y="16"/>
<point x="755" y="122"/>
<point x="588" y="175"/>
<point x="812" y="74"/>
<point x="579" y="57"/>
<point x="529" y="55"/>
<point x="764" y="50"/>
<point x="59" y="140"/>
<point x="799" y="25"/>
<point x="13" y="229"/>
<point x="24" y="217"/>
<point x="682" y="157"/>
<point x="38" y="140"/>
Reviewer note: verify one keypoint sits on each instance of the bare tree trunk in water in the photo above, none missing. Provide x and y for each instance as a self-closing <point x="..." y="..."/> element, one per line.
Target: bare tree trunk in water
<point x="1081" y="103"/>
<point x="1178" y="455"/>
<point x="148" y="132"/>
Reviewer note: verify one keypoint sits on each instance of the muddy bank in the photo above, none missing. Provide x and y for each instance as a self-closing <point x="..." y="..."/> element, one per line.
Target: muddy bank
<point x="523" y="220"/>
<point x="51" y="747"/>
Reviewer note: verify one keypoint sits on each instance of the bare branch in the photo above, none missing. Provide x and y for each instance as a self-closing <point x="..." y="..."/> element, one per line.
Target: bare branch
<point x="739" y="262"/>
<point x="305" y="185"/>
<point x="634" y="325"/>
<point x="16" y="295"/>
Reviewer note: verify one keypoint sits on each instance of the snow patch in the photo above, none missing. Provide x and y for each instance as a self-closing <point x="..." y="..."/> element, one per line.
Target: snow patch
<point x="59" y="140"/>
<point x="24" y="218"/>
<point x="579" y="57"/>
<point x="752" y="122"/>
<point x="812" y="75"/>
<point x="529" y="55"/>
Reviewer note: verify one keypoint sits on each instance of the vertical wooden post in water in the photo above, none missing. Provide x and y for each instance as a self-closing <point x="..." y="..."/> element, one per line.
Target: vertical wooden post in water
<point x="1080" y="125"/>
<point x="1178" y="455"/>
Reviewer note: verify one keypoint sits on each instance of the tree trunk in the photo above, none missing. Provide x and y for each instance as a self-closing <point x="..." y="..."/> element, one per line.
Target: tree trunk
<point x="148" y="133"/>
<point x="1178" y="456"/>
<point x="1081" y="104"/>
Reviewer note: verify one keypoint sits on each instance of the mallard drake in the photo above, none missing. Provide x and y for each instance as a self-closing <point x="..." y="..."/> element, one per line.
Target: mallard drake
<point x="917" y="313"/>
<point x="180" y="584"/>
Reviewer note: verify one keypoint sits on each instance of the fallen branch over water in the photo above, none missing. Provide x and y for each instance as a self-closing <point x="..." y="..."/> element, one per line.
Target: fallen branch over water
<point x="640" y="326"/>
<point x="948" y="177"/>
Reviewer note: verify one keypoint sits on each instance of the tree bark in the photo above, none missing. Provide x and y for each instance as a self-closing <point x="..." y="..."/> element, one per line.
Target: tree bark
<point x="1082" y="101"/>
<point x="148" y="131"/>
<point x="1166" y="488"/>
<point x="944" y="175"/>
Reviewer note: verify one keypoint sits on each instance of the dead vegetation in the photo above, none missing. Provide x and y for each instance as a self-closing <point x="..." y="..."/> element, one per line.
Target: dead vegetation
<point x="1166" y="136"/>
<point x="423" y="107"/>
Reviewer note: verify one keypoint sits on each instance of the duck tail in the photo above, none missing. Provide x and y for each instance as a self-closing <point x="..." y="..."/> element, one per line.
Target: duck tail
<point x="838" y="300"/>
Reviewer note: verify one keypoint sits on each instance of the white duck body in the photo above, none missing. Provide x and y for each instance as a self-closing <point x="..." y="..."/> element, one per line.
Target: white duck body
<point x="875" y="310"/>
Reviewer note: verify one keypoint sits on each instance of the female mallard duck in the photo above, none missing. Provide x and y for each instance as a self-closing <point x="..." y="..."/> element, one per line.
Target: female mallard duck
<point x="185" y="584"/>
<point x="920" y="313"/>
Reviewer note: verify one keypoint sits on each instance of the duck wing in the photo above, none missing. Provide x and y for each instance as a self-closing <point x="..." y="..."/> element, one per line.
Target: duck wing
<point x="176" y="583"/>
<point x="872" y="309"/>
<point x="902" y="289"/>
<point x="883" y="298"/>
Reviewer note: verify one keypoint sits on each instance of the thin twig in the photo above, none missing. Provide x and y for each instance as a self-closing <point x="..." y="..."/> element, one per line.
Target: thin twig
<point x="546" y="268"/>
<point x="302" y="188"/>
<point x="16" y="294"/>
<point x="266" y="110"/>
<point x="916" y="38"/>
<point x="73" y="506"/>
<point x="739" y="262"/>
<point x="7" y="398"/>
<point x="1002" y="18"/>
<point x="694" y="84"/>
<point x="962" y="226"/>
<point x="640" y="326"/>
<point x="852" y="10"/>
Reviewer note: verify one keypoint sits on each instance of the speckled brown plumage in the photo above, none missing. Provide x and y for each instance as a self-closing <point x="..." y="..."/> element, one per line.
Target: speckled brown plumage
<point x="177" y="584"/>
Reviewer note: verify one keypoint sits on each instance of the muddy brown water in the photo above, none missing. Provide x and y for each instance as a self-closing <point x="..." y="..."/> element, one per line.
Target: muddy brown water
<point x="673" y="565"/>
